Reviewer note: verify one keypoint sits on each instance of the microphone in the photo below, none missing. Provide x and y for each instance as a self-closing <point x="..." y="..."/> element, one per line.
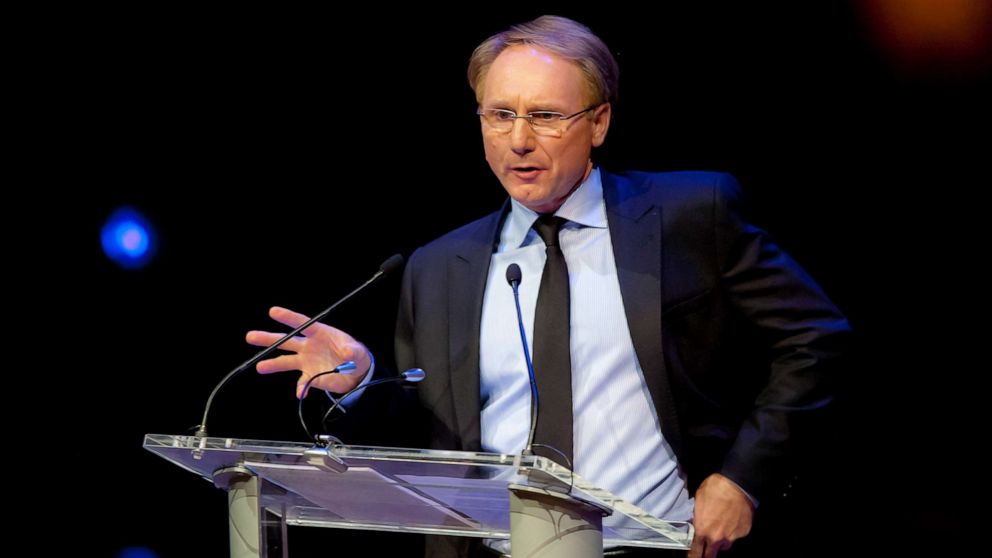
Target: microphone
<point x="391" y="264"/>
<point x="321" y="455"/>
<point x="514" y="278"/>
<point x="412" y="375"/>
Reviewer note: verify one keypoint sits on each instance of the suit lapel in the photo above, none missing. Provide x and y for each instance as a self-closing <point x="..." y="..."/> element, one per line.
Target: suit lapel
<point x="468" y="270"/>
<point x="636" y="235"/>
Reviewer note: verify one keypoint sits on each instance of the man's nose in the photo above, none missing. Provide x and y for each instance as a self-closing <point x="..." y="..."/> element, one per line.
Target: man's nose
<point x="522" y="136"/>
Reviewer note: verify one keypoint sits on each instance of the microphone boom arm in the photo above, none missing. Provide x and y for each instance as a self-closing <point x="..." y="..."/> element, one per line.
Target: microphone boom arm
<point x="388" y="266"/>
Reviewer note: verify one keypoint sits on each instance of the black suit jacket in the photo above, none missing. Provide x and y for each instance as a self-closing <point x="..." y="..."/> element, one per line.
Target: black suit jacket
<point x="738" y="345"/>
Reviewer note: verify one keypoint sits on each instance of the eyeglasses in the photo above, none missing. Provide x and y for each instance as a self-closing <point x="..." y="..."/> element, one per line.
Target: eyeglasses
<point x="544" y="122"/>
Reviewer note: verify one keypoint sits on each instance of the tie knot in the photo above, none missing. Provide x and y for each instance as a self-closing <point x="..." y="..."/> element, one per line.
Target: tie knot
<point x="547" y="227"/>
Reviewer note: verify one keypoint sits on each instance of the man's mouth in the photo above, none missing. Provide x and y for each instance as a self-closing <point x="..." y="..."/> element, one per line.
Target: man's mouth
<point x="526" y="172"/>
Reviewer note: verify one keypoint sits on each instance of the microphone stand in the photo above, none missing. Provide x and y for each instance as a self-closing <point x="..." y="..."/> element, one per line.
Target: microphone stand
<point x="388" y="266"/>
<point x="543" y="519"/>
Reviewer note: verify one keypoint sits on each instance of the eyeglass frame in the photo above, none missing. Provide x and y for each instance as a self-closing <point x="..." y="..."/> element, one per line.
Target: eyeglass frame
<point x="529" y="117"/>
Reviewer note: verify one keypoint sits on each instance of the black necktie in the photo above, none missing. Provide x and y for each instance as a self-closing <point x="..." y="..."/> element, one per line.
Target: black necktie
<point x="552" y="360"/>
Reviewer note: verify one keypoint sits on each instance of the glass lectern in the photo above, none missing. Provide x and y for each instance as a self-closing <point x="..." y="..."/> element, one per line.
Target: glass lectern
<point x="540" y="506"/>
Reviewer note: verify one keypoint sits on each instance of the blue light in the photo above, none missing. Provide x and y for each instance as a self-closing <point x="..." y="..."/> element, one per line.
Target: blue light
<point x="136" y="552"/>
<point x="128" y="238"/>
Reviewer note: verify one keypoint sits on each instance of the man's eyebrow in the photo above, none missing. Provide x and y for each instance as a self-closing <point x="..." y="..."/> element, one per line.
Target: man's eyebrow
<point x="496" y="104"/>
<point x="531" y="107"/>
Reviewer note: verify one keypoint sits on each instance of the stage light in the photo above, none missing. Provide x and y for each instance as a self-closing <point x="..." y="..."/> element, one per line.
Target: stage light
<point x="128" y="238"/>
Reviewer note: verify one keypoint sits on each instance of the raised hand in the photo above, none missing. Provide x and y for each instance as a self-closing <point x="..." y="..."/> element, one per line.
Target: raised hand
<point x="320" y="348"/>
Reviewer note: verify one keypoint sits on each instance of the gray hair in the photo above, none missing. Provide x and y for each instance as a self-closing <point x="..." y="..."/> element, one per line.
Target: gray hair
<point x="562" y="36"/>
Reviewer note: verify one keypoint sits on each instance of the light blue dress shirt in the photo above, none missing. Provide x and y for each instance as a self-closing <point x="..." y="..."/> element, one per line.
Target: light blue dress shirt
<point x="617" y="439"/>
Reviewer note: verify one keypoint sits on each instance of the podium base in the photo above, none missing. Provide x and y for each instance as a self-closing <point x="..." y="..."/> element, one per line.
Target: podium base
<point x="549" y="524"/>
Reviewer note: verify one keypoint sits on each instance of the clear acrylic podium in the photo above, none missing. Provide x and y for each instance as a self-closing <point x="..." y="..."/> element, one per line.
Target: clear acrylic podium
<point x="539" y="505"/>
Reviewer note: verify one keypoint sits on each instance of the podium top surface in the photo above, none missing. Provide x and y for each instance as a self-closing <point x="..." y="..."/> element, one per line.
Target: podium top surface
<point x="402" y="489"/>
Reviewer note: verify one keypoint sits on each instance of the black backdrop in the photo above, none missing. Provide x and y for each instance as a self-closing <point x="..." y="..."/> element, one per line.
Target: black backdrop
<point x="283" y="156"/>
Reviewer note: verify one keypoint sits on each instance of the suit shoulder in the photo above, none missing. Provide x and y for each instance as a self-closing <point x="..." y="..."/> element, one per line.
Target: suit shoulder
<point x="474" y="235"/>
<point x="693" y="191"/>
<point x="679" y="185"/>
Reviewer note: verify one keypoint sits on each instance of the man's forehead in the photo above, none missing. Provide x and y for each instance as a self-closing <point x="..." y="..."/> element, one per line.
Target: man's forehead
<point x="529" y="55"/>
<point x="532" y="74"/>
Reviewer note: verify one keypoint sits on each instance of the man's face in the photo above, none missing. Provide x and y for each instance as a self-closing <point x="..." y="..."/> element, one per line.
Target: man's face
<point x="540" y="171"/>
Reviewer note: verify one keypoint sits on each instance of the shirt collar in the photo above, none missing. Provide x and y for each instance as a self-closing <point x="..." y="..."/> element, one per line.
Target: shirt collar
<point x="584" y="207"/>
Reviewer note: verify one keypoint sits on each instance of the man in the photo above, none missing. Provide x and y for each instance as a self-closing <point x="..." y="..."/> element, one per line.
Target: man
<point x="697" y="350"/>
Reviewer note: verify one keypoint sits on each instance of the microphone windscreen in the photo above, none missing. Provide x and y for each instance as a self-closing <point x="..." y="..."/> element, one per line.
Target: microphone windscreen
<point x="393" y="263"/>
<point x="513" y="274"/>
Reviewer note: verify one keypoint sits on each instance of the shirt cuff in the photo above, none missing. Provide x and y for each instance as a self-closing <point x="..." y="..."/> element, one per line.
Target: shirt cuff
<point x="754" y="501"/>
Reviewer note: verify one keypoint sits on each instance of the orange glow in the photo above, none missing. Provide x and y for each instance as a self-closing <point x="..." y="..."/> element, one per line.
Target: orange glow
<point x="943" y="37"/>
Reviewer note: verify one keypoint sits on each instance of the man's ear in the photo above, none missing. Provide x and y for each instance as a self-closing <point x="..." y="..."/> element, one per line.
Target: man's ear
<point x="601" y="123"/>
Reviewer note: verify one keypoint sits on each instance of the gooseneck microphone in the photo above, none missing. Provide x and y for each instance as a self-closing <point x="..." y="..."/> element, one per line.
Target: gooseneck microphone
<point x="514" y="278"/>
<point x="393" y="263"/>
<point x="412" y="375"/>
<point x="343" y="368"/>
<point x="322" y="454"/>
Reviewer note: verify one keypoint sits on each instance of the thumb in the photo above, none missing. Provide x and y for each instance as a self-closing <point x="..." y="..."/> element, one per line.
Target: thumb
<point x="300" y="385"/>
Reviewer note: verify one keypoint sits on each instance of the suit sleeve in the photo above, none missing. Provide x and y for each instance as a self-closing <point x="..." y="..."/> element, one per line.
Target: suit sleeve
<point x="804" y="335"/>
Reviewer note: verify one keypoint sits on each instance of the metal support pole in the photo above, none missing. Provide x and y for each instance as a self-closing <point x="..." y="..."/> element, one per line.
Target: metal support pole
<point x="549" y="524"/>
<point x="243" y="510"/>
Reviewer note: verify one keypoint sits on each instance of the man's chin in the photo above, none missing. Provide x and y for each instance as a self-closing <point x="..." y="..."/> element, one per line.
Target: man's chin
<point x="541" y="205"/>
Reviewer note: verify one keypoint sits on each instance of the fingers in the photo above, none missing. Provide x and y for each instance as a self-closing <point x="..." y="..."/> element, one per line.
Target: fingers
<point x="292" y="319"/>
<point x="264" y="339"/>
<point x="713" y="548"/>
<point x="704" y="547"/>
<point x="300" y="394"/>
<point x="321" y="348"/>
<point x="278" y="364"/>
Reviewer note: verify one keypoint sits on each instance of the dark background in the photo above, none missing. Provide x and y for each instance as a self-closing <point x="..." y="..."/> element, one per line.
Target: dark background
<point x="283" y="156"/>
